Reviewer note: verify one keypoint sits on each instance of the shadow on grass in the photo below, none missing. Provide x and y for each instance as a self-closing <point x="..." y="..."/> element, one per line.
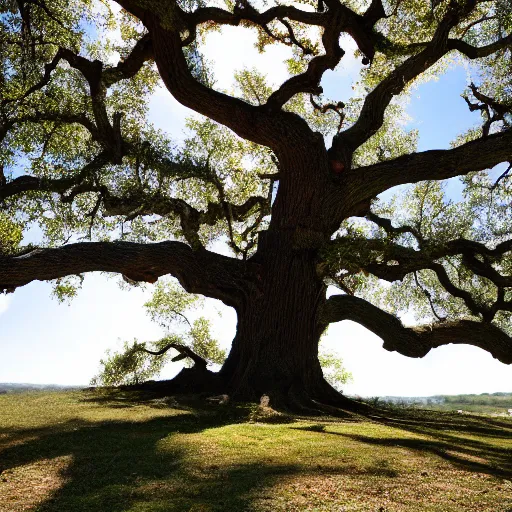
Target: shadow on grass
<point x="117" y="465"/>
<point x="147" y="465"/>
<point x="461" y="440"/>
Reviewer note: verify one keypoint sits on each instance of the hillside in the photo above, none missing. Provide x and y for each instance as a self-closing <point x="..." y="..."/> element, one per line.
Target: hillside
<point x="114" y="452"/>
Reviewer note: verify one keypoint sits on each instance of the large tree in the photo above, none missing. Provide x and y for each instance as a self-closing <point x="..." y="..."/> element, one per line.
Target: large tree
<point x="287" y="176"/>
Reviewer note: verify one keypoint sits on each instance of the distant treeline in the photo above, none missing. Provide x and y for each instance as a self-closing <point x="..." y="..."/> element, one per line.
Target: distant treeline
<point x="15" y="387"/>
<point x="500" y="399"/>
<point x="486" y="403"/>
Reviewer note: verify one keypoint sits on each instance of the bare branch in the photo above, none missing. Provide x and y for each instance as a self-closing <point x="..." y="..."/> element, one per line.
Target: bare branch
<point x="418" y="341"/>
<point x="184" y="351"/>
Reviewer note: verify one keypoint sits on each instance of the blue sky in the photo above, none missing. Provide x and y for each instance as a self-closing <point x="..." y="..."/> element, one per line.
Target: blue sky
<point x="44" y="342"/>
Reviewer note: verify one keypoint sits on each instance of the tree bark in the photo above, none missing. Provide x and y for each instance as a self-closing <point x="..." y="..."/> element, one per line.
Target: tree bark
<point x="275" y="350"/>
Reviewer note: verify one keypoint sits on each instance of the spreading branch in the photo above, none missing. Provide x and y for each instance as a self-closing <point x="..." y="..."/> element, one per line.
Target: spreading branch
<point x="203" y="272"/>
<point x="418" y="341"/>
<point x="266" y="124"/>
<point x="371" y="117"/>
<point x="397" y="261"/>
<point x="370" y="181"/>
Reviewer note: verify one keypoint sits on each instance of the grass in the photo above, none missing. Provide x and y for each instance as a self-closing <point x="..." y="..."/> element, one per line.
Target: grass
<point x="113" y="452"/>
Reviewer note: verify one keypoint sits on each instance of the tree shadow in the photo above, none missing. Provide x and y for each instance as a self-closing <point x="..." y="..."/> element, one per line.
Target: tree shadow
<point x="450" y="437"/>
<point x="116" y="464"/>
<point x="121" y="465"/>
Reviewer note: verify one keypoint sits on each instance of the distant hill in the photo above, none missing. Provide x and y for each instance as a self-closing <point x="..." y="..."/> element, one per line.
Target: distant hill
<point x="484" y="403"/>
<point x="15" y="387"/>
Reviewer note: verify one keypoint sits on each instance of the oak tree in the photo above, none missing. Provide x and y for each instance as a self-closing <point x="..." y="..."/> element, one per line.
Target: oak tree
<point x="290" y="178"/>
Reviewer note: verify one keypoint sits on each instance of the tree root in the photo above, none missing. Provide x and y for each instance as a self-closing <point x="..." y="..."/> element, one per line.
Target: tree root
<point x="325" y="401"/>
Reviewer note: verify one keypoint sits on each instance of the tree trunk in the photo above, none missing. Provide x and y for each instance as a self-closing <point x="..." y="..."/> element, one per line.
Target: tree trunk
<point x="275" y="351"/>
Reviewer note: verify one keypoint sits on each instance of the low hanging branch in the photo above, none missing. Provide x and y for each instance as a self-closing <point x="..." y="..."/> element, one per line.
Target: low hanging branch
<point x="184" y="352"/>
<point x="417" y="341"/>
<point x="204" y="272"/>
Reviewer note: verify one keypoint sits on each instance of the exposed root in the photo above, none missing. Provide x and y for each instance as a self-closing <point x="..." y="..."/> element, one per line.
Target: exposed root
<point x="325" y="401"/>
<point x="189" y="381"/>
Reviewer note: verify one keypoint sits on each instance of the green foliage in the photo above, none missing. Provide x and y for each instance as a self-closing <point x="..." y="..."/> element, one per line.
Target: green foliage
<point x="10" y="235"/>
<point x="168" y="307"/>
<point x="333" y="369"/>
<point x="66" y="289"/>
<point x="130" y="366"/>
<point x="202" y="342"/>
<point x="169" y="303"/>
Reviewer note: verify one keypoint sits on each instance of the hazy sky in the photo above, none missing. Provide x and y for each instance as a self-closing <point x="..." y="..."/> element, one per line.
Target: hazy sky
<point x="44" y="342"/>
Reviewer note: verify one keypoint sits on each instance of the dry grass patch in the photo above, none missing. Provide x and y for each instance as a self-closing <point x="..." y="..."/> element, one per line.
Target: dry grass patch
<point x="25" y="487"/>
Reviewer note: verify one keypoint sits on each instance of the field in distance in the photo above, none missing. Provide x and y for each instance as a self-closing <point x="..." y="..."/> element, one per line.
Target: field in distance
<point x="484" y="403"/>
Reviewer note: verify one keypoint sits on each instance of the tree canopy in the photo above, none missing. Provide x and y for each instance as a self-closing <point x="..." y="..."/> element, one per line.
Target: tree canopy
<point x="288" y="177"/>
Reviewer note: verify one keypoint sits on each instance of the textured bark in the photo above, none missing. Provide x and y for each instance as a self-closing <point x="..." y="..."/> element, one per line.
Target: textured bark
<point x="276" y="346"/>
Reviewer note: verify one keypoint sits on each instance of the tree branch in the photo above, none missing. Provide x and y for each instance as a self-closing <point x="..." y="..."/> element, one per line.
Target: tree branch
<point x="389" y="228"/>
<point x="132" y="64"/>
<point x="309" y="81"/>
<point x="184" y="352"/>
<point x="475" y="155"/>
<point x="203" y="272"/>
<point x="23" y="184"/>
<point x="371" y="117"/>
<point x="391" y="262"/>
<point x="475" y="52"/>
<point x="191" y="218"/>
<point x="266" y="124"/>
<point x="417" y="341"/>
<point x="372" y="113"/>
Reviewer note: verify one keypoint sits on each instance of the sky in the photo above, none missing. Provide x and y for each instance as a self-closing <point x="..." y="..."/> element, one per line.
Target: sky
<point x="42" y="341"/>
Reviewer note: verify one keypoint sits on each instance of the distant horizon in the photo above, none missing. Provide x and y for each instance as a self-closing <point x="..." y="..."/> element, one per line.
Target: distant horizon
<point x="34" y="384"/>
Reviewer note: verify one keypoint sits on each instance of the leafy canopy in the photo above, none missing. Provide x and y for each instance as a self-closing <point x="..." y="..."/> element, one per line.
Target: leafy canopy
<point x="81" y="160"/>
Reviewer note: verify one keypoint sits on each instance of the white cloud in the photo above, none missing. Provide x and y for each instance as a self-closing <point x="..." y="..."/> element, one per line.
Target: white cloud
<point x="233" y="48"/>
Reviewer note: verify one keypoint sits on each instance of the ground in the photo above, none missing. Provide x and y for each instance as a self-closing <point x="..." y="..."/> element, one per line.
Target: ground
<point x="117" y="451"/>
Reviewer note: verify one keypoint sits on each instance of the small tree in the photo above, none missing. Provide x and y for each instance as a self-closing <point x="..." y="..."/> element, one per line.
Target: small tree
<point x="133" y="365"/>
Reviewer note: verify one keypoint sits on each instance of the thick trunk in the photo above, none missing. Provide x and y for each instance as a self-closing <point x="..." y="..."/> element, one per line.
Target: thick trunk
<point x="275" y="351"/>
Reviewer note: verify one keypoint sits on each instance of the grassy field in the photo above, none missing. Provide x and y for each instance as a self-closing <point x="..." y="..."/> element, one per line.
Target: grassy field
<point x="485" y="403"/>
<point x="82" y="451"/>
